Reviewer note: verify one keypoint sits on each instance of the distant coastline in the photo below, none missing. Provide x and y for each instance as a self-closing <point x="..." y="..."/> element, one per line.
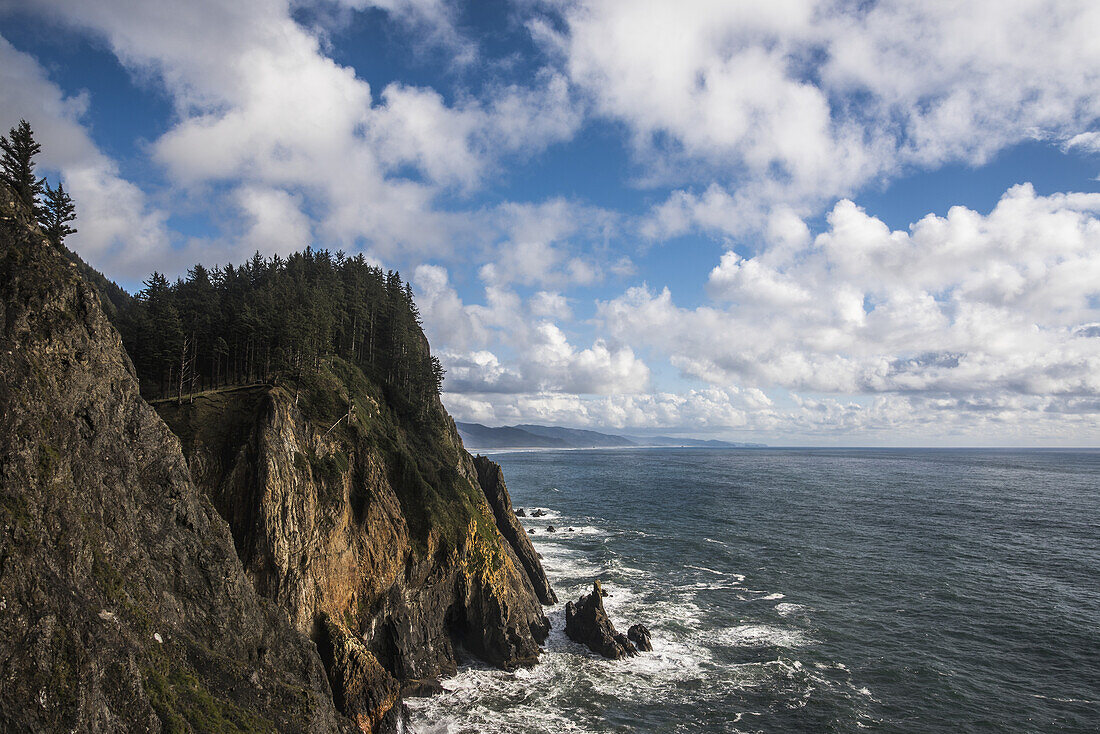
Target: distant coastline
<point x="530" y="437"/>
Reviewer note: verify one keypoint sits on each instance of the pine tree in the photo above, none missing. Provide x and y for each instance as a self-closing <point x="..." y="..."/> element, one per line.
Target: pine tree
<point x="57" y="212"/>
<point x="19" y="149"/>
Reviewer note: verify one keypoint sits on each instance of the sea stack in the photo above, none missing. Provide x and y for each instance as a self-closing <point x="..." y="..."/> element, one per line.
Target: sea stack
<point x="586" y="622"/>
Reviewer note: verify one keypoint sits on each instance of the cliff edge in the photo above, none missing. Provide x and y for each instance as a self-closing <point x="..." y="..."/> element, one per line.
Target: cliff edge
<point x="325" y="543"/>
<point x="123" y="604"/>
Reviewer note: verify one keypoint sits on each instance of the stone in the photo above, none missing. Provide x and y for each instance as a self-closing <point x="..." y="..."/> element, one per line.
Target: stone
<point x="491" y="478"/>
<point x="361" y="688"/>
<point x="586" y="622"/>
<point x="107" y="527"/>
<point x="639" y="635"/>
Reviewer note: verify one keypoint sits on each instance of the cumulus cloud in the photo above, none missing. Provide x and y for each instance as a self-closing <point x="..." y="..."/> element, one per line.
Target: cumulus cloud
<point x="261" y="107"/>
<point x="557" y="243"/>
<point x="710" y="409"/>
<point x="118" y="225"/>
<point x="542" y="357"/>
<point x="797" y="101"/>
<point x="960" y="307"/>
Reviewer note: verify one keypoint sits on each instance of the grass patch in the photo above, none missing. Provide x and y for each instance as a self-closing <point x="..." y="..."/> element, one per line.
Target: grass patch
<point x="183" y="704"/>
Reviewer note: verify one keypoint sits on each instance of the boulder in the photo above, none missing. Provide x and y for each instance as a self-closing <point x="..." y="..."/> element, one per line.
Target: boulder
<point x="549" y="528"/>
<point x="538" y="513"/>
<point x="586" y="622"/>
<point x="639" y="635"/>
<point x="521" y="513"/>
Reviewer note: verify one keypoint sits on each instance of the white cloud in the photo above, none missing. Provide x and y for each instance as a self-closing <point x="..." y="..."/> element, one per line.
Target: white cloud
<point x="259" y="105"/>
<point x="705" y="410"/>
<point x="1088" y="142"/>
<point x="799" y="101"/>
<point x="550" y="305"/>
<point x="276" y="222"/>
<point x="543" y="359"/>
<point x="554" y="243"/>
<point x="118" y="227"/>
<point x="961" y="307"/>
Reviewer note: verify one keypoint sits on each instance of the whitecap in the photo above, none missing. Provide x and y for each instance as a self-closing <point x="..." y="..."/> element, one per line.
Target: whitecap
<point x="566" y="532"/>
<point x="704" y="568"/>
<point x="772" y="597"/>
<point x="786" y="609"/>
<point x="760" y="635"/>
<point x="547" y="514"/>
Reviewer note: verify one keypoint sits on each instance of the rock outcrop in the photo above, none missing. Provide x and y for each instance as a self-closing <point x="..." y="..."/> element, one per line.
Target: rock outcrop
<point x="123" y="604"/>
<point x="361" y="687"/>
<point x="386" y="528"/>
<point x="586" y="622"/>
<point x="639" y="635"/>
<point x="294" y="573"/>
<point x="491" y="478"/>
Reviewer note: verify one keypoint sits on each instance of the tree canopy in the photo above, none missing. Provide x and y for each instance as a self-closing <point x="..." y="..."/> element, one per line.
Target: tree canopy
<point x="57" y="211"/>
<point x="272" y="319"/>
<point x="17" y="165"/>
<point x="53" y="208"/>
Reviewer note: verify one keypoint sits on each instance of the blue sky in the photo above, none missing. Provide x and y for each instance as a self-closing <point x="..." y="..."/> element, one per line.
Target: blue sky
<point x="804" y="222"/>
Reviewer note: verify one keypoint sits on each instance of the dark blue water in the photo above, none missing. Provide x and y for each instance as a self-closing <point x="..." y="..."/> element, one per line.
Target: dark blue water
<point x="805" y="590"/>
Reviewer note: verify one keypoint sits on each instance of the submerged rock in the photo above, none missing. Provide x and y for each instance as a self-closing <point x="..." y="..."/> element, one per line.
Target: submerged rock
<point x="586" y="622"/>
<point x="639" y="635"/>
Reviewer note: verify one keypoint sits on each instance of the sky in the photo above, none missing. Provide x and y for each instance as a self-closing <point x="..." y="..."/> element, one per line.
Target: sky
<point x="796" y="222"/>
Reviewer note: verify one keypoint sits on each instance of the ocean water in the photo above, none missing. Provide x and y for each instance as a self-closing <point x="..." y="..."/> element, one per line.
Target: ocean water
<point x="808" y="591"/>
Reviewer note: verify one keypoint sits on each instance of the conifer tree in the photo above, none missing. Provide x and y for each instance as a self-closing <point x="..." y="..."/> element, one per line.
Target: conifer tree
<point x="57" y="212"/>
<point x="272" y="318"/>
<point x="17" y="163"/>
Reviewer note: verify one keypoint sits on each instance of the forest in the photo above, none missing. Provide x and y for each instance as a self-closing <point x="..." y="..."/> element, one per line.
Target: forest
<point x="268" y="320"/>
<point x="278" y="317"/>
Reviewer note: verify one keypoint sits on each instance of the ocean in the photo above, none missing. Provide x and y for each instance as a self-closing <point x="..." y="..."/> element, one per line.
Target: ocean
<point x="808" y="591"/>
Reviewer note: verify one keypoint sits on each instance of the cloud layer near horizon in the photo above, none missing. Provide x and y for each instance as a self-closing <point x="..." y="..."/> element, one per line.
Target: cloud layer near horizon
<point x="740" y="120"/>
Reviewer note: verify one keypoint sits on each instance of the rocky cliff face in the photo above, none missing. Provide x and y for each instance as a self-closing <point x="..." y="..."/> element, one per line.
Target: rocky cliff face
<point x="123" y="604"/>
<point x="491" y="479"/>
<point x="381" y="537"/>
<point x="306" y="561"/>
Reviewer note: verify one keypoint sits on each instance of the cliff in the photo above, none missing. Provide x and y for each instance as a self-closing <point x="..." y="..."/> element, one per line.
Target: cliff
<point x="378" y="529"/>
<point x="123" y="605"/>
<point x="303" y="563"/>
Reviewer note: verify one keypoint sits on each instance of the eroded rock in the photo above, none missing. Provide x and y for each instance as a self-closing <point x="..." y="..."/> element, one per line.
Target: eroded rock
<point x="586" y="622"/>
<point x="639" y="635"/>
<point x="361" y="688"/>
<point x="105" y="541"/>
